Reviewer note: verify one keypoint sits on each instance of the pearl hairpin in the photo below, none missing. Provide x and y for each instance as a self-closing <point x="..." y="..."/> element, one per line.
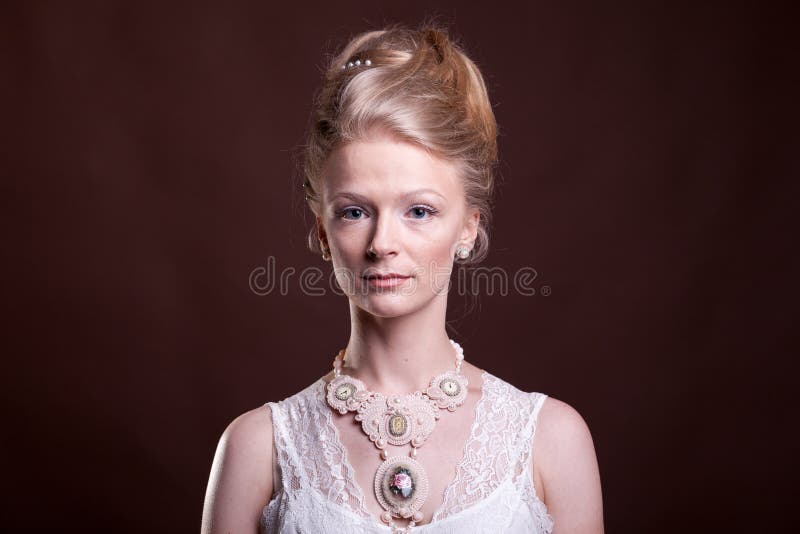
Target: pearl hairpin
<point x="356" y="63"/>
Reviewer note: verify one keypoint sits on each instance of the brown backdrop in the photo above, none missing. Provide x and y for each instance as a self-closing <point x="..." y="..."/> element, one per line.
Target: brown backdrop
<point x="148" y="171"/>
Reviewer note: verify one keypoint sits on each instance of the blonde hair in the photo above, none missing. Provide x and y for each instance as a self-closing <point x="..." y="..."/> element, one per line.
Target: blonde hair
<point x="420" y="86"/>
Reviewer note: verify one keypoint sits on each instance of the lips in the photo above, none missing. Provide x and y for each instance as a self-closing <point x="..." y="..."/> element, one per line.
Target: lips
<point x="376" y="275"/>
<point x="385" y="280"/>
<point x="384" y="276"/>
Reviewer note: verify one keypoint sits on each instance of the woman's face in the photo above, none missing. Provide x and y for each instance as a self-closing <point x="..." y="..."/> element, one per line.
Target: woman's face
<point x="392" y="215"/>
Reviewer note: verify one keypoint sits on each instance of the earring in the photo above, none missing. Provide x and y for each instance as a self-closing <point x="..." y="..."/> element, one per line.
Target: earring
<point x="462" y="253"/>
<point x="326" y="253"/>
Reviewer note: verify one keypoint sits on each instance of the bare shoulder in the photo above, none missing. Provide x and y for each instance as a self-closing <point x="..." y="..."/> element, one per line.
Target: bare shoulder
<point x="241" y="477"/>
<point x="559" y="424"/>
<point x="565" y="465"/>
<point x="251" y="432"/>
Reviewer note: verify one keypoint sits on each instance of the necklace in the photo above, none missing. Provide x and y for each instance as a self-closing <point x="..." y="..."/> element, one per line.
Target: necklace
<point x="401" y="483"/>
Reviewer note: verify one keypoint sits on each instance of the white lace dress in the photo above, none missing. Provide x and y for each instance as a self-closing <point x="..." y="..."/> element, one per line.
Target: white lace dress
<point x="492" y="491"/>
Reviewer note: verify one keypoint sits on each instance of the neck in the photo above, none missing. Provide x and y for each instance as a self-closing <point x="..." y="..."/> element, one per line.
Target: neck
<point x="399" y="355"/>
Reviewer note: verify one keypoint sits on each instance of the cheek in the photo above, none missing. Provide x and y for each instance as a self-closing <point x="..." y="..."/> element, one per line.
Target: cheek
<point x="347" y="239"/>
<point x="348" y="245"/>
<point x="441" y="244"/>
<point x="443" y="251"/>
<point x="436" y="267"/>
<point x="436" y="257"/>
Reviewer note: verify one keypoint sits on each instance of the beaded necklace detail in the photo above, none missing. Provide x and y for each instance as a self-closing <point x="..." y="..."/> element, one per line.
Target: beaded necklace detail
<point x="401" y="483"/>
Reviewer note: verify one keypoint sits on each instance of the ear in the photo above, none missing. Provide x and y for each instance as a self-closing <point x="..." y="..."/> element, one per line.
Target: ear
<point x="471" y="223"/>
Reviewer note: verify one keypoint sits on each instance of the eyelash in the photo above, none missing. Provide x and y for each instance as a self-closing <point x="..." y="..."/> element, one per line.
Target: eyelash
<point x="428" y="209"/>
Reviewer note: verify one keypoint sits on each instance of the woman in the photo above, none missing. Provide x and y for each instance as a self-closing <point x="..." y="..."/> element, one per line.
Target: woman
<point x="403" y="434"/>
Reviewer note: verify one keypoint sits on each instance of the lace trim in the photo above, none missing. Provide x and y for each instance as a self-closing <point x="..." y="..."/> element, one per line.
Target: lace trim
<point x="356" y="494"/>
<point x="446" y="508"/>
<point x="489" y="452"/>
<point x="307" y="462"/>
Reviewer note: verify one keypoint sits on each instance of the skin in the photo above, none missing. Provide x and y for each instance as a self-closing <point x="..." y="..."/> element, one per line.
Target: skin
<point x="375" y="215"/>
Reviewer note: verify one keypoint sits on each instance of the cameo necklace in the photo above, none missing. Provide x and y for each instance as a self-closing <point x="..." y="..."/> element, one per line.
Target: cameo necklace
<point x="401" y="484"/>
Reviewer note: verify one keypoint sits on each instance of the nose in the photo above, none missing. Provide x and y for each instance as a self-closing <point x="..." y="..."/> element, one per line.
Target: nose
<point x="384" y="238"/>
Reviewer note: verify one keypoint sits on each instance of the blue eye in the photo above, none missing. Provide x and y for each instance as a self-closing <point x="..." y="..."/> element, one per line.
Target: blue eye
<point x="420" y="212"/>
<point x="355" y="212"/>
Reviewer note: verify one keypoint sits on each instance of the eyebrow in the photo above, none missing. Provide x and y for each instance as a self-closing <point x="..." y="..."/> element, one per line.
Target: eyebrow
<point x="360" y="198"/>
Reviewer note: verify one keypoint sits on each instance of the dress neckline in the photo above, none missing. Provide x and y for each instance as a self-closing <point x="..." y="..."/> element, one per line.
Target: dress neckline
<point x="350" y="470"/>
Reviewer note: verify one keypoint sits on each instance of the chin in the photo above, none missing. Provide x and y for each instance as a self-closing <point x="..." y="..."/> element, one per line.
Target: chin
<point x="388" y="306"/>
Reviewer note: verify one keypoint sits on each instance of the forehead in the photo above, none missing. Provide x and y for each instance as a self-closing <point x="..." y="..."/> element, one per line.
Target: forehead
<point x="382" y="165"/>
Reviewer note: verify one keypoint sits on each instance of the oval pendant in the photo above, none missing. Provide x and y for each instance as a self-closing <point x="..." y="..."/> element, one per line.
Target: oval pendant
<point x="401" y="486"/>
<point x="398" y="424"/>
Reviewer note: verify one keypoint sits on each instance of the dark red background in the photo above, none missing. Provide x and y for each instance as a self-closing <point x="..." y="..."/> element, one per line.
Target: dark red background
<point x="649" y="178"/>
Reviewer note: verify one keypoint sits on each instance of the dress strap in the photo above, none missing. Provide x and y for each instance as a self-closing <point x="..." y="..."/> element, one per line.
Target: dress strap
<point x="538" y="401"/>
<point x="531" y="404"/>
<point x="277" y="472"/>
<point x="524" y="467"/>
<point x="535" y="403"/>
<point x="288" y="463"/>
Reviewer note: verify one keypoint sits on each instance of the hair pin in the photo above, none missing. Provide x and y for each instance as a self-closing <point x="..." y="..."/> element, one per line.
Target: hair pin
<point x="357" y="63"/>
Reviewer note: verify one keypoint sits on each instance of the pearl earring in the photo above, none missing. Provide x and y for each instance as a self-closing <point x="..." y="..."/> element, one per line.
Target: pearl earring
<point x="326" y="253"/>
<point x="462" y="253"/>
